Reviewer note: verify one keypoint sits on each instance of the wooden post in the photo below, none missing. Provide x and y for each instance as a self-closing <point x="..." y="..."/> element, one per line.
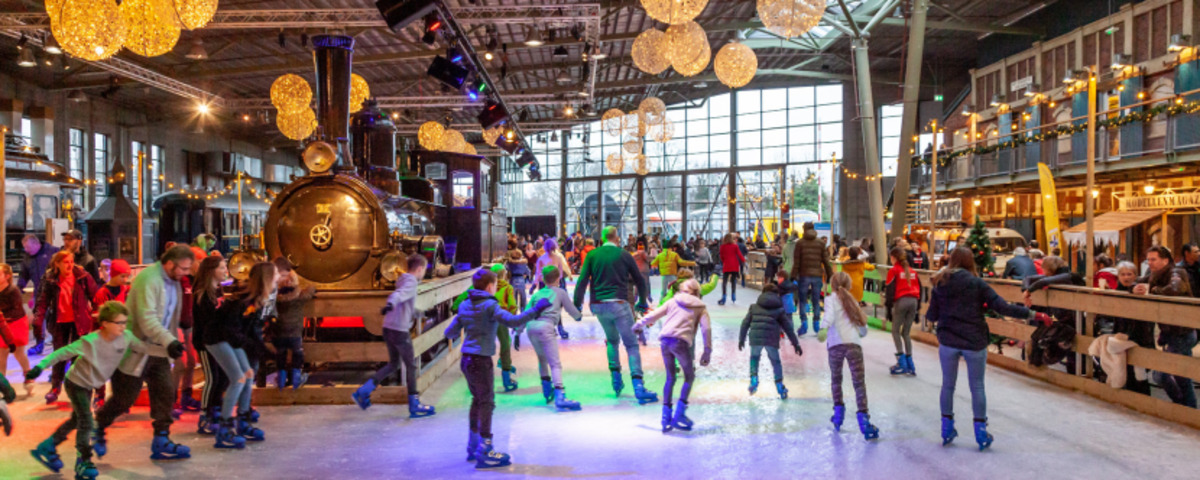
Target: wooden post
<point x="3" y="198"/>
<point x="933" y="183"/>
<point x="239" y="195"/>
<point x="141" y="192"/>
<point x="1089" y="213"/>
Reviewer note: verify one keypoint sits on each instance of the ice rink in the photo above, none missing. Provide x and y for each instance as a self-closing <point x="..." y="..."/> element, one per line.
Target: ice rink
<point x="1041" y="431"/>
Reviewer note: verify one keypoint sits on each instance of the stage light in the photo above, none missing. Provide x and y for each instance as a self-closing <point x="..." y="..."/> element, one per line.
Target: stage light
<point x="447" y="72"/>
<point x="454" y="55"/>
<point x="432" y="25"/>
<point x="476" y="89"/>
<point x="493" y="114"/>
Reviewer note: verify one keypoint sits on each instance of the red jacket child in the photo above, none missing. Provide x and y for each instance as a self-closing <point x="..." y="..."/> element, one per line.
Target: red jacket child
<point x="117" y="287"/>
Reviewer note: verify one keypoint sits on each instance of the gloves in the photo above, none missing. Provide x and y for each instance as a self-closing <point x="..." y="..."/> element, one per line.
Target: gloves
<point x="6" y="391"/>
<point x="1042" y="318"/>
<point x="386" y="309"/>
<point x="799" y="351"/>
<point x="33" y="373"/>
<point x="741" y="346"/>
<point x="705" y="357"/>
<point x="542" y="305"/>
<point x="175" y="349"/>
<point x="642" y="307"/>
<point x="823" y="334"/>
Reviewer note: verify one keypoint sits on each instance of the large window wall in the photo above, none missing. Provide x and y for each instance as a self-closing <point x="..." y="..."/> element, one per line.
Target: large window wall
<point x="741" y="154"/>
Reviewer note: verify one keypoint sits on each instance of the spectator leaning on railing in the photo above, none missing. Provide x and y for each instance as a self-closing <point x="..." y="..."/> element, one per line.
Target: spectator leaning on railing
<point x="1170" y="281"/>
<point x="1141" y="333"/>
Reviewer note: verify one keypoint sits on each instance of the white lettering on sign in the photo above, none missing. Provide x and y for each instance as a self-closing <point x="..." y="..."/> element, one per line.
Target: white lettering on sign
<point x="948" y="211"/>
<point x="1021" y="84"/>
<point x="1160" y="202"/>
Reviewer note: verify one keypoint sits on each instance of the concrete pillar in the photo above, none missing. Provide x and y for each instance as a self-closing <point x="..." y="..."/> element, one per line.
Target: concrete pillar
<point x="42" y="134"/>
<point x="11" y="112"/>
<point x="866" y="109"/>
<point x="908" y="122"/>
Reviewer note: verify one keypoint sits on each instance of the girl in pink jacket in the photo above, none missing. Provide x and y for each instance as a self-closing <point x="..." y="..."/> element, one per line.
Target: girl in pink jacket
<point x="682" y="316"/>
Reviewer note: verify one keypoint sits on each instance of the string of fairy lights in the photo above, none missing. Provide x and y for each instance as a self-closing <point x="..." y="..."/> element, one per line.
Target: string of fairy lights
<point x="265" y="195"/>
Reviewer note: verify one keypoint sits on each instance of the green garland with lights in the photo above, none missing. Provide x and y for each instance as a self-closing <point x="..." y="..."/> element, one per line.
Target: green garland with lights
<point x="1143" y="116"/>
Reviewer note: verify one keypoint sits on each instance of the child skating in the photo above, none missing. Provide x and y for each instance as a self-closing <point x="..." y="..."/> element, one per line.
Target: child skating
<point x="477" y="321"/>
<point x="94" y="357"/>
<point x="766" y="321"/>
<point x="903" y="298"/>
<point x="543" y="334"/>
<point x="682" y="316"/>
<point x="846" y="324"/>
<point x="398" y="317"/>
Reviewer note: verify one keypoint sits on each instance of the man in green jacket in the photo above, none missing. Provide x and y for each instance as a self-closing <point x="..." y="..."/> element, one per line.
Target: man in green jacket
<point x="608" y="270"/>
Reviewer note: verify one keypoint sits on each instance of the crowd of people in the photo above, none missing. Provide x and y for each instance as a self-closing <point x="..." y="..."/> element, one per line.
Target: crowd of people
<point x="153" y="328"/>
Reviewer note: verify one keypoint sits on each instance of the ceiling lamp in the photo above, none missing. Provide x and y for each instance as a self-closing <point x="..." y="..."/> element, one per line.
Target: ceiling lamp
<point x="563" y="78"/>
<point x="615" y="163"/>
<point x="195" y="13"/>
<point x="649" y="52"/>
<point x="453" y="141"/>
<point x="50" y="45"/>
<point x="613" y="122"/>
<point x="661" y="132"/>
<point x="430" y="135"/>
<point x="469" y="149"/>
<point x="359" y="92"/>
<point x="633" y="145"/>
<point x="635" y="124"/>
<point x="674" y="12"/>
<point x="534" y="39"/>
<point x="735" y="65"/>
<point x="89" y="29"/>
<point x="790" y="18"/>
<point x="297" y="126"/>
<point x="291" y="94"/>
<point x="25" y="58"/>
<point x="77" y="96"/>
<point x="153" y="29"/>
<point x="197" y="52"/>
<point x="688" y="48"/>
<point x="560" y="52"/>
<point x="654" y="111"/>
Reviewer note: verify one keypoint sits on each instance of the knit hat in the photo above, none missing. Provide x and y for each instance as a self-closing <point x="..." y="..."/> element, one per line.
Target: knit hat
<point x="119" y="267"/>
<point x="497" y="268"/>
<point x="198" y="253"/>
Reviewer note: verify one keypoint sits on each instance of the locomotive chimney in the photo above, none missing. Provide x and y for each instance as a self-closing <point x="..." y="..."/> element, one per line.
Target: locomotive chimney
<point x="333" y="56"/>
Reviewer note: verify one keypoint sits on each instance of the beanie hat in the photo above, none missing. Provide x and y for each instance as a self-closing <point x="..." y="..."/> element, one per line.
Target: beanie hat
<point x="119" y="267"/>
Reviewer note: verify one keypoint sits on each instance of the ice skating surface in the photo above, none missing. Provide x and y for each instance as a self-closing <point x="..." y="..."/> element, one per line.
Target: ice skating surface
<point x="1041" y="431"/>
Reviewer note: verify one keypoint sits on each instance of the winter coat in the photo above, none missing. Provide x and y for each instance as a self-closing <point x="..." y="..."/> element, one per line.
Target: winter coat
<point x="855" y="269"/>
<point x="1064" y="276"/>
<point x="840" y="329"/>
<point x="108" y="293"/>
<point x="810" y="259"/>
<point x="1171" y="283"/>
<point x="705" y="289"/>
<point x="402" y="301"/>
<point x="479" y="317"/>
<point x="610" y="273"/>
<point x="765" y="321"/>
<point x="1193" y="276"/>
<point x="552" y="258"/>
<point x="681" y="317"/>
<point x="560" y="301"/>
<point x="34" y="267"/>
<point x="47" y="307"/>
<point x="289" y="311"/>
<point x="233" y="323"/>
<point x="919" y="260"/>
<point x="1109" y="275"/>
<point x="204" y="320"/>
<point x="149" y="319"/>
<point x="731" y="258"/>
<point x="703" y="256"/>
<point x="1019" y="268"/>
<point x="957" y="305"/>
<point x="668" y="263"/>
<point x="518" y="266"/>
<point x="788" y="256"/>
<point x="1112" y="351"/>
<point x="643" y="261"/>
<point x="506" y="296"/>
<point x="89" y="264"/>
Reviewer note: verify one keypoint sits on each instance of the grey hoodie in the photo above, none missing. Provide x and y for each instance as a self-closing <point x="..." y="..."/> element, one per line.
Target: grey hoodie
<point x="403" y="302"/>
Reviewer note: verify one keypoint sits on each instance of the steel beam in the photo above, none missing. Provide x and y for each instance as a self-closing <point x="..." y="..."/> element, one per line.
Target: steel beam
<point x="453" y="101"/>
<point x="908" y="121"/>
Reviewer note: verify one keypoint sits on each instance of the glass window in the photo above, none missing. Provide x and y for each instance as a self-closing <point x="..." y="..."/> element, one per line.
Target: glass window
<point x="708" y="206"/>
<point x="748" y="101"/>
<point x="662" y="202"/>
<point x="890" y="117"/>
<point x="718" y="106"/>
<point x="27" y="129"/>
<point x="132" y="187"/>
<point x="156" y="172"/>
<point x="76" y="153"/>
<point x="100" y="147"/>
<point x="464" y="189"/>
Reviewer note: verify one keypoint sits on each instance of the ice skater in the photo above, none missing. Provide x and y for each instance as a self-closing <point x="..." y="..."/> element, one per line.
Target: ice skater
<point x="95" y="359"/>
<point x="506" y="298"/>
<point x="903" y="300"/>
<point x="846" y="325"/>
<point x="477" y="322"/>
<point x="765" y="322"/>
<point x="206" y="294"/>
<point x="398" y="317"/>
<point x="609" y="270"/>
<point x="682" y="316"/>
<point x="543" y="335"/>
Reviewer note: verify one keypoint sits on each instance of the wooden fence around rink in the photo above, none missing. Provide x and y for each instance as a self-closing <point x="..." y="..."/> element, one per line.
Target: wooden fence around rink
<point x="1184" y="312"/>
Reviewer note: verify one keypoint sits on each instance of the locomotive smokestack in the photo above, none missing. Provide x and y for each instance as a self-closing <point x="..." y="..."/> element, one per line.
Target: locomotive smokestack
<point x="333" y="56"/>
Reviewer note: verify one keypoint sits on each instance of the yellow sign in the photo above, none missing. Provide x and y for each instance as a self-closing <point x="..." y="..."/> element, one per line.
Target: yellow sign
<point x="1049" y="207"/>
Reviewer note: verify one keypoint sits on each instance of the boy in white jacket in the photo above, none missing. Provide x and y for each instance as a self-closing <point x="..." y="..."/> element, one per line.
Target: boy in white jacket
<point x="543" y="334"/>
<point x="682" y="315"/>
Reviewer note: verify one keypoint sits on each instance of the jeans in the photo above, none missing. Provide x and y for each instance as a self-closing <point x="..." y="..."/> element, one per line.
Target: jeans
<point x="126" y="388"/>
<point x="400" y="352"/>
<point x="674" y="349"/>
<point x="235" y="364"/>
<point x="544" y="338"/>
<point x="283" y="345"/>
<point x="81" y="421"/>
<point x="976" y="365"/>
<point x="617" y="320"/>
<point x="518" y="284"/>
<point x="64" y="334"/>
<point x="215" y="382"/>
<point x="772" y="354"/>
<point x="725" y="282"/>
<point x="810" y="291"/>
<point x="852" y="354"/>
<point x="185" y="366"/>
<point x="480" y="381"/>
<point x="1180" y="389"/>
<point x="666" y="284"/>
<point x="903" y="314"/>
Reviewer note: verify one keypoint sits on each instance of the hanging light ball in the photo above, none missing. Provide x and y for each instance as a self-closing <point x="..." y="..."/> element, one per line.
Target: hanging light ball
<point x="615" y="163"/>
<point x="89" y="29"/>
<point x="195" y="13"/>
<point x="790" y="18"/>
<point x="641" y="168"/>
<point x="653" y="109"/>
<point x="661" y="132"/>
<point x="735" y="65"/>
<point x="153" y="29"/>
<point x="490" y="135"/>
<point x="674" y="12"/>
<point x="649" y="52"/>
<point x="635" y="124"/>
<point x="359" y="92"/>
<point x="633" y="145"/>
<point x="469" y="149"/>
<point x="430" y="135"/>
<point x="453" y="141"/>
<point x="613" y="122"/>
<point x="290" y="93"/>
<point x="297" y="126"/>
<point x="688" y="49"/>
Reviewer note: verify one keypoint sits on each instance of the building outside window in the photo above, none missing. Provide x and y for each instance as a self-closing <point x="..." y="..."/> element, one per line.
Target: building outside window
<point x="132" y="187"/>
<point x="100" y="176"/>
<point x="76" y="152"/>
<point x="156" y="172"/>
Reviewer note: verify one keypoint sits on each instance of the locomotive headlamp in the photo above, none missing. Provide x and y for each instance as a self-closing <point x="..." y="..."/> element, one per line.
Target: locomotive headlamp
<point x="319" y="157"/>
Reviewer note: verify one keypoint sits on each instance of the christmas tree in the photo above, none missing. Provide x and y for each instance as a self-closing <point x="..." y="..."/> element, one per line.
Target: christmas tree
<point x="981" y="246"/>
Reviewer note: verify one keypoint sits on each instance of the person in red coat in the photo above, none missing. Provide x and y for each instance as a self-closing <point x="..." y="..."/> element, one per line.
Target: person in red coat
<point x="117" y="287"/>
<point x="65" y="303"/>
<point x="731" y="265"/>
